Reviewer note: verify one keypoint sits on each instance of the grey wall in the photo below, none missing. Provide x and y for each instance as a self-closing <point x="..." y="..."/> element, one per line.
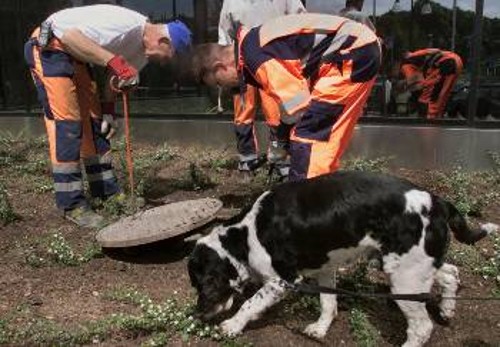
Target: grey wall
<point x="417" y="147"/>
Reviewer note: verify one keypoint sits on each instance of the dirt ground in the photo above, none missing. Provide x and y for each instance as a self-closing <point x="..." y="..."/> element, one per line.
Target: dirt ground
<point x="69" y="296"/>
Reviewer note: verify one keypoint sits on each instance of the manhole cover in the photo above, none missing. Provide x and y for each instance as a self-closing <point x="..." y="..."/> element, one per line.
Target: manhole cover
<point x="159" y="223"/>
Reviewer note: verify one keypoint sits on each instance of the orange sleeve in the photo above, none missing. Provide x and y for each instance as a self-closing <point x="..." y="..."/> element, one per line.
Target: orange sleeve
<point x="408" y="70"/>
<point x="284" y="82"/>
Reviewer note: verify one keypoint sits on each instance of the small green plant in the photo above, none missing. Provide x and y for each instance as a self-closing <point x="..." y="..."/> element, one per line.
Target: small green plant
<point x="195" y="179"/>
<point x="199" y="179"/>
<point x="33" y="167"/>
<point x="297" y="304"/>
<point x="16" y="148"/>
<point x="61" y="251"/>
<point x="465" y="256"/>
<point x="495" y="157"/>
<point x="492" y="267"/>
<point x="119" y="205"/>
<point x="171" y="314"/>
<point x="163" y="154"/>
<point x="35" y="260"/>
<point x="496" y="292"/>
<point x="362" y="164"/>
<point x="157" y="340"/>
<point x="7" y="214"/>
<point x="223" y="163"/>
<point x="365" y="333"/>
<point x="43" y="185"/>
<point x="4" y="333"/>
<point x="462" y="187"/>
<point x="470" y="257"/>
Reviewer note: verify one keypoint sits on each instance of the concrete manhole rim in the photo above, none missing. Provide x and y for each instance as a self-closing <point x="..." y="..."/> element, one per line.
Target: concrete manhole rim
<point x="203" y="211"/>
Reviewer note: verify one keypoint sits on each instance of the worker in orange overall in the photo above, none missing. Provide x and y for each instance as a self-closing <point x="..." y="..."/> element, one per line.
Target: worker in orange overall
<point x="252" y="13"/>
<point x="319" y="68"/>
<point x="59" y="54"/>
<point x="430" y="75"/>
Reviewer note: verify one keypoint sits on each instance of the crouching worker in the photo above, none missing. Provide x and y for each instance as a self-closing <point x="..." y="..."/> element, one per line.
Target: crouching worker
<point x="320" y="68"/>
<point x="60" y="54"/>
<point x="430" y="75"/>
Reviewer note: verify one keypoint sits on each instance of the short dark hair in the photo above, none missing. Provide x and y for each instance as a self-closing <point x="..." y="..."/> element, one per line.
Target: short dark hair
<point x="203" y="59"/>
<point x="357" y="4"/>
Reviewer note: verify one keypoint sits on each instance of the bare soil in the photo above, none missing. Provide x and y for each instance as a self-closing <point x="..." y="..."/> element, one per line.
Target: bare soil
<point x="72" y="295"/>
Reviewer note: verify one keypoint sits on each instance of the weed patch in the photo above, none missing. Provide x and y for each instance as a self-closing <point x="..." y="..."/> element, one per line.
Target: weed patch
<point x="462" y="190"/>
<point x="364" y="332"/>
<point x="57" y="249"/>
<point x="374" y="165"/>
<point x="7" y="214"/>
<point x="471" y="258"/>
<point x="195" y="179"/>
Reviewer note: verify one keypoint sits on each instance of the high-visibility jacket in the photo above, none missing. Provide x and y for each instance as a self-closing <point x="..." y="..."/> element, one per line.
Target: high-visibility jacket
<point x="435" y="71"/>
<point x="252" y="13"/>
<point x="320" y="68"/>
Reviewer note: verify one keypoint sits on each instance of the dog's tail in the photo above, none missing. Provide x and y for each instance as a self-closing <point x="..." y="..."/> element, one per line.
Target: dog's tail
<point x="461" y="230"/>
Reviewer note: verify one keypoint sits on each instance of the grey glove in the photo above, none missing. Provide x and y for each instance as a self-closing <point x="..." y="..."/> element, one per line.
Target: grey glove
<point x="109" y="126"/>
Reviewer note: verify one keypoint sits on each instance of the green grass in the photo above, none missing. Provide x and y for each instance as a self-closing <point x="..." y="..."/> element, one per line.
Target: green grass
<point x="158" y="321"/>
<point x="362" y="164"/>
<point x="365" y="334"/>
<point x="469" y="257"/>
<point x="7" y="214"/>
<point x="462" y="186"/>
<point x="54" y="248"/>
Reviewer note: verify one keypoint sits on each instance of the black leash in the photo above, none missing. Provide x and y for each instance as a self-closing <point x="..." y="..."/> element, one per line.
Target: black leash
<point x="420" y="297"/>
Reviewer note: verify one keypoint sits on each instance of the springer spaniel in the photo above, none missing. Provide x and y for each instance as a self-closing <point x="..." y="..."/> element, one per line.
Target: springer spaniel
<point x="309" y="227"/>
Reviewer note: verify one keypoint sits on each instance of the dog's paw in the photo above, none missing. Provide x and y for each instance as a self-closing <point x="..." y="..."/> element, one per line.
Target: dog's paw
<point x="231" y="327"/>
<point x="316" y="330"/>
<point x="447" y="310"/>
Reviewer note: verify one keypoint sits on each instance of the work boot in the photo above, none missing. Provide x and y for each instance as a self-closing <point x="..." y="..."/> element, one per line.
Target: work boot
<point x="281" y="169"/>
<point x="84" y="217"/>
<point x="276" y="152"/>
<point x="251" y="165"/>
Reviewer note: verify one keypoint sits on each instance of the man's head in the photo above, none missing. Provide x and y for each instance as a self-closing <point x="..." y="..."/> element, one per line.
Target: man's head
<point x="163" y="41"/>
<point x="357" y="4"/>
<point x="215" y="65"/>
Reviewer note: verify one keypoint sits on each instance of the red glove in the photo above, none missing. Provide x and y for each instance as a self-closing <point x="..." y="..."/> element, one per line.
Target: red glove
<point x="127" y="75"/>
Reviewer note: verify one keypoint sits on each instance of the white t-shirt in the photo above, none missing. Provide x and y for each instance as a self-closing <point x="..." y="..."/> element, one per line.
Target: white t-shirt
<point x="116" y="29"/>
<point x="252" y="13"/>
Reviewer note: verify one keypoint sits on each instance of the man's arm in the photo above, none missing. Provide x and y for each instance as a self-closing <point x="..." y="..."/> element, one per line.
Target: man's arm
<point x="84" y="49"/>
<point x="283" y="81"/>
<point x="226" y="25"/>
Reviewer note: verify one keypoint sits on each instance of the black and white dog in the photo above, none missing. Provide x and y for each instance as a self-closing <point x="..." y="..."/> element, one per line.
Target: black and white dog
<point x="309" y="227"/>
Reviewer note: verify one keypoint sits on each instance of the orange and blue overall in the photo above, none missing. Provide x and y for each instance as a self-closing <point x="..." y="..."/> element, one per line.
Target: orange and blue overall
<point x="244" y="120"/>
<point x="439" y="70"/>
<point x="321" y="69"/>
<point x="68" y="95"/>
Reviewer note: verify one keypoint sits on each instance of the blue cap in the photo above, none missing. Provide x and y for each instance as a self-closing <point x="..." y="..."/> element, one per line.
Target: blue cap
<point x="180" y="36"/>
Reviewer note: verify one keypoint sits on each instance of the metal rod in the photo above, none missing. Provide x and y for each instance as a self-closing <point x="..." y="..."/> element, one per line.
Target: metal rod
<point x="454" y="25"/>
<point x="411" y="27"/>
<point x="474" y="62"/>
<point x="374" y="12"/>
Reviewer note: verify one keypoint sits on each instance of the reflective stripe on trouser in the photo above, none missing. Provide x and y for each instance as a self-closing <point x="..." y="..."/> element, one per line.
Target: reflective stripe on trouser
<point x="322" y="134"/>
<point x="72" y="118"/>
<point x="100" y="175"/>
<point x="244" y="120"/>
<point x="438" y="84"/>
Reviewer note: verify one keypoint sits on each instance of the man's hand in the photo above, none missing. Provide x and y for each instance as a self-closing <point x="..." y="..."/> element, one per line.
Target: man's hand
<point x="109" y="125"/>
<point x="127" y="75"/>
